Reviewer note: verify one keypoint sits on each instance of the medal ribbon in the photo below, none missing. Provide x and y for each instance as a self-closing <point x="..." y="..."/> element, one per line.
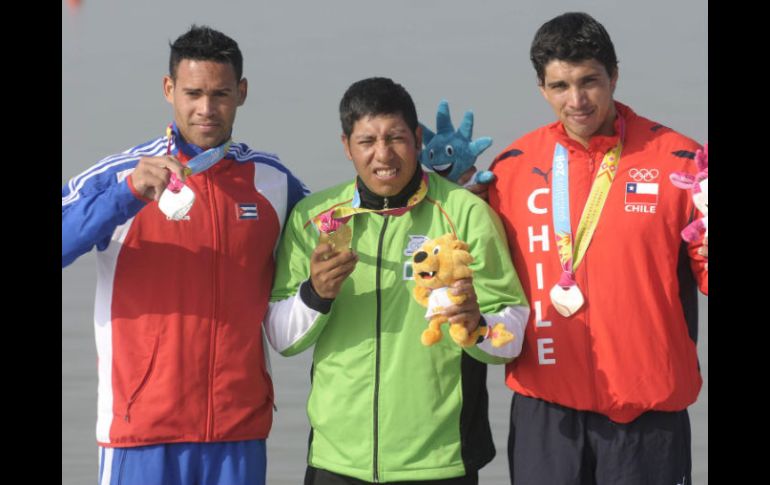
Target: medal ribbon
<point x="211" y="156"/>
<point x="591" y="212"/>
<point x="332" y="219"/>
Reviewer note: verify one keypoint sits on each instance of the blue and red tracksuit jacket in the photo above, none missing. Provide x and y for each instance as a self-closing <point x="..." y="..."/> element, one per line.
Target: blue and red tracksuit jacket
<point x="179" y="304"/>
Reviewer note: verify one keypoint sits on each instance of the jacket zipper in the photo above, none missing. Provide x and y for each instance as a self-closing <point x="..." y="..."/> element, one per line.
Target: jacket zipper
<point x="589" y="357"/>
<point x="376" y="477"/>
<point x="590" y="360"/>
<point x="214" y="302"/>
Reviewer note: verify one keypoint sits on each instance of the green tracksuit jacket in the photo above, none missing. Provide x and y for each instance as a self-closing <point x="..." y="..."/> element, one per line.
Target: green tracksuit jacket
<point x="382" y="406"/>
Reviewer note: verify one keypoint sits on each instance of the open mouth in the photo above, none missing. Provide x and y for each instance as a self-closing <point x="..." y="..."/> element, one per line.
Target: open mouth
<point x="426" y="275"/>
<point x="385" y="173"/>
<point x="443" y="169"/>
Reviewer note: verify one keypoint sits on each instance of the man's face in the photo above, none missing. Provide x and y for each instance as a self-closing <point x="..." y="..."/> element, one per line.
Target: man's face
<point x="384" y="152"/>
<point x="581" y="96"/>
<point x="205" y="96"/>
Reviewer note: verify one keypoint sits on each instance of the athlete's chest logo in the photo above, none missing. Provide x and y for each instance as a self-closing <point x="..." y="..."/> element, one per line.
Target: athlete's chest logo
<point x="641" y="195"/>
<point x="414" y="243"/>
<point x="247" y="211"/>
<point x="537" y="171"/>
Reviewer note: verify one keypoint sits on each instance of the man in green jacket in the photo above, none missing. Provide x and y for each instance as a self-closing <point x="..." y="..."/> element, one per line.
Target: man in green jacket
<point x="384" y="408"/>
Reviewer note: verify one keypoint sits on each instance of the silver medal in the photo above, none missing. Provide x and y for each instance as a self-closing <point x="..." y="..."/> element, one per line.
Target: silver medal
<point x="176" y="205"/>
<point x="567" y="300"/>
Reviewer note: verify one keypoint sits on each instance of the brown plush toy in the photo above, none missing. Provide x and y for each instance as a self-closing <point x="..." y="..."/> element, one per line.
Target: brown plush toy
<point x="437" y="264"/>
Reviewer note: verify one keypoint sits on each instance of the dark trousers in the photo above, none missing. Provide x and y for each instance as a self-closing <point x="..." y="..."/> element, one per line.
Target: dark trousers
<point x="555" y="445"/>
<point x="318" y="476"/>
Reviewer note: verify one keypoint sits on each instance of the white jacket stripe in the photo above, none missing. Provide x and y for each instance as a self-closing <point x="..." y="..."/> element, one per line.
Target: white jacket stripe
<point x="287" y="321"/>
<point x="77" y="182"/>
<point x="515" y="321"/>
<point x="274" y="185"/>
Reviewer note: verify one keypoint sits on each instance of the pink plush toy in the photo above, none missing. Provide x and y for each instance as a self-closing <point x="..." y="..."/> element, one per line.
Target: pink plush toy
<point x="699" y="184"/>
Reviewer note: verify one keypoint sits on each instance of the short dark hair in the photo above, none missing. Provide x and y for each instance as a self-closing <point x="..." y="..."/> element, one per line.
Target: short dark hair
<point x="205" y="44"/>
<point x="572" y="37"/>
<point x="376" y="96"/>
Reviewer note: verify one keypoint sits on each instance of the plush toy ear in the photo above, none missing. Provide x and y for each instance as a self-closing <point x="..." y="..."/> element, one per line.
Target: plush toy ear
<point x="466" y="126"/>
<point x="457" y="244"/>
<point x="479" y="145"/>
<point x="461" y="260"/>
<point x="427" y="135"/>
<point x="682" y="180"/>
<point x="443" y="119"/>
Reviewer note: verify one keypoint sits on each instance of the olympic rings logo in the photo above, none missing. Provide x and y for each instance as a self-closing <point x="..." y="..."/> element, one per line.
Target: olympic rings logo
<point x="643" y="174"/>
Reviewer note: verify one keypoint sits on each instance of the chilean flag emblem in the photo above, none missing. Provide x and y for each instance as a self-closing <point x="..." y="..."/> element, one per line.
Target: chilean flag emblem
<point x="641" y="193"/>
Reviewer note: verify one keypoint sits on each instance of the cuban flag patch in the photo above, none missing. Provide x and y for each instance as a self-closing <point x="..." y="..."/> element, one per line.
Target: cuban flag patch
<point x="641" y="193"/>
<point x="247" y="211"/>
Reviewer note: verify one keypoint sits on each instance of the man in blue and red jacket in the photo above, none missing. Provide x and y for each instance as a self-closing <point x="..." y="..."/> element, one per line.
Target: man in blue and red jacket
<point x="184" y="391"/>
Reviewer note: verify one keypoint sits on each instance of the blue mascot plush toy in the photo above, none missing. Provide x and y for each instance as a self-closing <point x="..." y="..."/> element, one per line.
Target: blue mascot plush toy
<point x="450" y="153"/>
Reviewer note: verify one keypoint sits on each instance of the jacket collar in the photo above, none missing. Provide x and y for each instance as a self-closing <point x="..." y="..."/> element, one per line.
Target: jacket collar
<point x="370" y="200"/>
<point x="181" y="146"/>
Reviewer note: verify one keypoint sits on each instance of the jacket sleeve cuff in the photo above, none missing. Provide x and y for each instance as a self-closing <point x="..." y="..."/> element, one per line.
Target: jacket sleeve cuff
<point x="514" y="318"/>
<point x="485" y="328"/>
<point x="136" y="193"/>
<point x="313" y="300"/>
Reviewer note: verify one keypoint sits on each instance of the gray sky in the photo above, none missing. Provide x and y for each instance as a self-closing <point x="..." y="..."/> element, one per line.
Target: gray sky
<point x="300" y="57"/>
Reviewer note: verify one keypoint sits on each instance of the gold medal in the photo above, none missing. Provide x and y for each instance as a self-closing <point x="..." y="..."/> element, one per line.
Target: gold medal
<point x="339" y="239"/>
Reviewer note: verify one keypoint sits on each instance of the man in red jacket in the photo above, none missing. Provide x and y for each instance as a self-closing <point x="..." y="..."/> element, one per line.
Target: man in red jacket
<point x="609" y="363"/>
